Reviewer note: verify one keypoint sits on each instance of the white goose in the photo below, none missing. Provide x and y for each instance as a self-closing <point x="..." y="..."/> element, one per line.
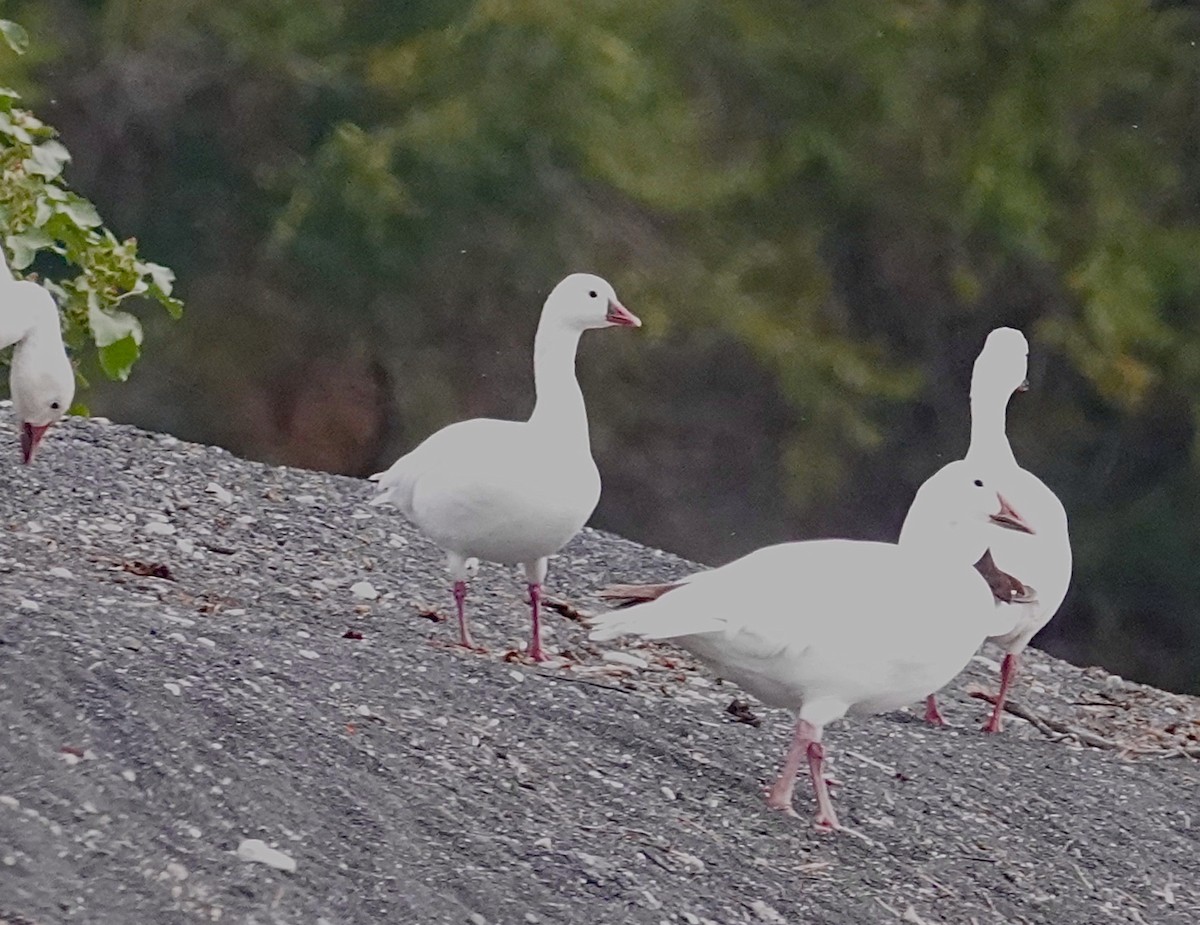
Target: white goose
<point x="1028" y="572"/>
<point x="41" y="380"/>
<point x="507" y="491"/>
<point x="829" y="627"/>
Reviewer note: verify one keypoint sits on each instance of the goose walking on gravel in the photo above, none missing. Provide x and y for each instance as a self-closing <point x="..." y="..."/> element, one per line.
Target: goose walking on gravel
<point x="1028" y="572"/>
<point x="829" y="627"/>
<point x="514" y="492"/>
<point x="41" y="380"/>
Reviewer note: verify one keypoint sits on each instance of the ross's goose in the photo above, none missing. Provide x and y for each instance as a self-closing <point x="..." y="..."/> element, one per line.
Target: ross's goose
<point x="829" y="627"/>
<point x="1028" y="572"/>
<point x="514" y="492"/>
<point x="41" y="380"/>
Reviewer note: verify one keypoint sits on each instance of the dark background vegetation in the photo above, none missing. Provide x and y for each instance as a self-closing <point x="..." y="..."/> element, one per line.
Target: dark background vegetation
<point x="818" y="208"/>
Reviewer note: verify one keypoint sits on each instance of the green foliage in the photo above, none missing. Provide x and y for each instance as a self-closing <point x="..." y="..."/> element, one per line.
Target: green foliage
<point x="40" y="215"/>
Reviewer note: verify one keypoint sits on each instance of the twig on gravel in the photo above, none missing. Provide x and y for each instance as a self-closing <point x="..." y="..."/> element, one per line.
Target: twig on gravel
<point x="566" y="609"/>
<point x="1057" y="729"/>
<point x="886" y="769"/>
<point x="908" y="915"/>
<point x="564" y="677"/>
<point x="1053" y="728"/>
<point x="1091" y="887"/>
<point x="937" y="886"/>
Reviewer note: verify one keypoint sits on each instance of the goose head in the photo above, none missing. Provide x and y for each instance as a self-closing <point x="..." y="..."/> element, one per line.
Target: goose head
<point x="42" y="384"/>
<point x="583" y="301"/>
<point x="967" y="510"/>
<point x="1003" y="364"/>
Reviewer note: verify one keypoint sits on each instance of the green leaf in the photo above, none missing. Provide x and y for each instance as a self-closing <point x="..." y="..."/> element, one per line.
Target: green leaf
<point x="80" y="211"/>
<point x="110" y="327"/>
<point x="48" y="159"/>
<point x="13" y="130"/>
<point x="15" y="35"/>
<point x="163" y="277"/>
<point x="25" y="246"/>
<point x="117" y="358"/>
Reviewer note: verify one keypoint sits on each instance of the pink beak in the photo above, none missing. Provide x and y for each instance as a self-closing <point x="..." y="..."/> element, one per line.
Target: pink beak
<point x="31" y="436"/>
<point x="619" y="314"/>
<point x="1008" y="517"/>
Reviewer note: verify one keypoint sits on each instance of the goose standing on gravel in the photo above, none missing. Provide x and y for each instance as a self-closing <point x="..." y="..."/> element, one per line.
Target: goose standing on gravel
<point x="41" y="380"/>
<point x="829" y="627"/>
<point x="507" y="491"/>
<point x="1028" y="572"/>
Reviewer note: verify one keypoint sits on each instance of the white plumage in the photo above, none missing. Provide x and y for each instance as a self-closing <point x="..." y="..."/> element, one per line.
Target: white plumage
<point x="829" y="627"/>
<point x="41" y="380"/>
<point x="1040" y="560"/>
<point x="514" y="492"/>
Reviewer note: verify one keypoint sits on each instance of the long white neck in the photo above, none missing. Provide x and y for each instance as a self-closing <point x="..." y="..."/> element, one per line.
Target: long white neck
<point x="559" y="408"/>
<point x="26" y="312"/>
<point x="989" y="438"/>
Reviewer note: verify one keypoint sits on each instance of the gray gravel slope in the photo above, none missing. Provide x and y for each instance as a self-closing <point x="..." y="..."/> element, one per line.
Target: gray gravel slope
<point x="149" y="723"/>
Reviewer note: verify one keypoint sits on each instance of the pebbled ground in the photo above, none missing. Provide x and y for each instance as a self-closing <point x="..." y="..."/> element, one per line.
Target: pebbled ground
<point x="181" y="671"/>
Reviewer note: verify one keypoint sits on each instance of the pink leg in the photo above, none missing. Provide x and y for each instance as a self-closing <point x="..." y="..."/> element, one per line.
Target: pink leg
<point x="1008" y="670"/>
<point x="826" y="817"/>
<point x="460" y="597"/>
<point x="933" y="715"/>
<point x="806" y="743"/>
<point x="536" y="652"/>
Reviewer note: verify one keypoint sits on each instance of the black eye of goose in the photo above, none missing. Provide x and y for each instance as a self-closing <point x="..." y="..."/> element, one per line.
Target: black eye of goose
<point x="592" y="294"/>
<point x="54" y="405"/>
<point x="979" y="483"/>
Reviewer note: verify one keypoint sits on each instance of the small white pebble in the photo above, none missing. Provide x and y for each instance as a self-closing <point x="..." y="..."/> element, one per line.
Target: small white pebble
<point x="156" y="528"/>
<point x="765" y="912"/>
<point x="28" y="605"/>
<point x="223" y="495"/>
<point x="624" y="658"/>
<point x="669" y="793"/>
<point x="173" y="688"/>
<point x="308" y="653"/>
<point x="305" y="499"/>
<point x="130" y="776"/>
<point x="59" y="572"/>
<point x="516" y="675"/>
<point x="257" y="851"/>
<point x="476" y="919"/>
<point x="364" y="591"/>
<point x="177" y="870"/>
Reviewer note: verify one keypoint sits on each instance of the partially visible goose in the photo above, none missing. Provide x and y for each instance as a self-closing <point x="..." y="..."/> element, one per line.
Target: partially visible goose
<point x="512" y="492"/>
<point x="829" y="627"/>
<point x="1028" y="572"/>
<point x="41" y="380"/>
